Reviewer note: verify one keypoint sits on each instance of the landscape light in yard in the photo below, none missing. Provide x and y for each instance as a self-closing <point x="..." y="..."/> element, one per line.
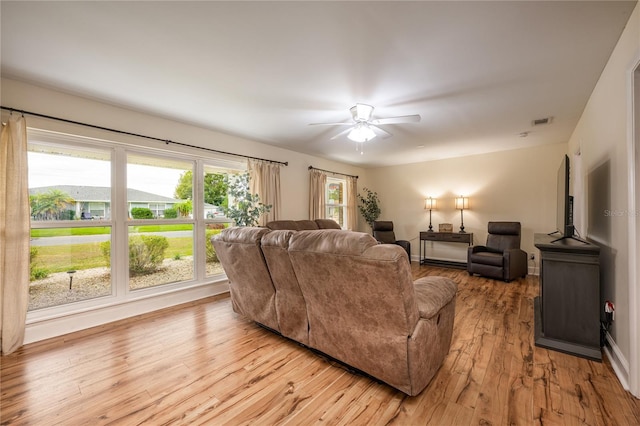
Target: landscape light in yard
<point x="71" y="278"/>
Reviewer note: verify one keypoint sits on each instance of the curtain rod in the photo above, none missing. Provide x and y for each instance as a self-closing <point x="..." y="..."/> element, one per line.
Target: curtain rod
<point x="329" y="171"/>
<point x="122" y="132"/>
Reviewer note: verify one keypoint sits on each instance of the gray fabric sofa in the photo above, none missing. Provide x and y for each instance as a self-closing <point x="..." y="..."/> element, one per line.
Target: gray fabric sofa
<point x="345" y="295"/>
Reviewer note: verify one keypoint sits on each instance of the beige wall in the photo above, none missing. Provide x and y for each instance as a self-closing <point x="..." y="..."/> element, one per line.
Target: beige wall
<point x="517" y="185"/>
<point x="294" y="178"/>
<point x="602" y="138"/>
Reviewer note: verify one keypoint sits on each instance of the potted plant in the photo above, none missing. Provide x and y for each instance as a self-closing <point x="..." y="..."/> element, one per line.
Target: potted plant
<point x="368" y="206"/>
<point x="246" y="207"/>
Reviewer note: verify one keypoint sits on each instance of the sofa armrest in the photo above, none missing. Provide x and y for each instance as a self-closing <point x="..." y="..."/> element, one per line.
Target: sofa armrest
<point x="406" y="245"/>
<point x="432" y="293"/>
<point x="515" y="263"/>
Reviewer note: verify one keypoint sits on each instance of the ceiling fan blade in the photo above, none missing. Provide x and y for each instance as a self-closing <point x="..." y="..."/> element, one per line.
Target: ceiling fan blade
<point x="341" y="134"/>
<point x="380" y="132"/>
<point x="400" y="119"/>
<point x="330" y="124"/>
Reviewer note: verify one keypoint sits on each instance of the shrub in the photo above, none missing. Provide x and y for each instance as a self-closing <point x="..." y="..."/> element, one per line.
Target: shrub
<point x="217" y="225"/>
<point x="105" y="248"/>
<point x="146" y="253"/>
<point x="141" y="213"/>
<point x="212" y="256"/>
<point x="36" y="272"/>
<point x="170" y="213"/>
<point x="185" y="208"/>
<point x="67" y="215"/>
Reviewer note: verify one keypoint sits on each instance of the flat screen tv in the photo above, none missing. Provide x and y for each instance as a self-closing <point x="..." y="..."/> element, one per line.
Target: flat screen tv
<point x="564" y="212"/>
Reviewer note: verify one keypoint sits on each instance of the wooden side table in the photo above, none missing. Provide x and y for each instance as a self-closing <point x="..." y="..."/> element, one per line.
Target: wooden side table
<point x="444" y="237"/>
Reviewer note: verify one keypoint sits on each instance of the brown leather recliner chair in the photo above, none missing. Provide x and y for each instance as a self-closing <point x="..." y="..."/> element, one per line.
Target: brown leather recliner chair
<point x="383" y="232"/>
<point x="501" y="257"/>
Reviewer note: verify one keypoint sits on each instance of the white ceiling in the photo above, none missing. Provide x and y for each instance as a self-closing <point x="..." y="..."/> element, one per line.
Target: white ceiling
<point x="477" y="72"/>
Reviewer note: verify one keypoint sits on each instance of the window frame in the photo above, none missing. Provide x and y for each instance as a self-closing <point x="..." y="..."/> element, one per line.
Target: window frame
<point x="344" y="204"/>
<point x="119" y="221"/>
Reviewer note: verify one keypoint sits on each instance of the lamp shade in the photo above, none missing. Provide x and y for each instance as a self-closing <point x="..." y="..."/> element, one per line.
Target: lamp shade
<point x="462" y="203"/>
<point x="429" y="203"/>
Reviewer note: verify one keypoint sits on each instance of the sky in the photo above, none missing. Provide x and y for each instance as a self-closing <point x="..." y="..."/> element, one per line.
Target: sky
<point x="48" y="170"/>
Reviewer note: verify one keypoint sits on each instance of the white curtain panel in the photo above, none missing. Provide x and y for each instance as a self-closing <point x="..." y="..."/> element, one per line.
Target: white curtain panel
<point x="14" y="234"/>
<point x="352" y="201"/>
<point x="265" y="181"/>
<point x="317" y="184"/>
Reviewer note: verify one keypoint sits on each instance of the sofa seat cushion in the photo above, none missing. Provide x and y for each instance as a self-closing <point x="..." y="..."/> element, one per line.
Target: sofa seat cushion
<point x="433" y="293"/>
<point x="487" y="258"/>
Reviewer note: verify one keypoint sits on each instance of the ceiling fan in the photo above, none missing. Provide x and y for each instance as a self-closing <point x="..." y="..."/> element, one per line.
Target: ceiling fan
<point x="364" y="128"/>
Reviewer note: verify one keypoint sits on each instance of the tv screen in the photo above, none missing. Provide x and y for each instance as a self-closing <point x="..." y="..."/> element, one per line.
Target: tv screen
<point x="564" y="214"/>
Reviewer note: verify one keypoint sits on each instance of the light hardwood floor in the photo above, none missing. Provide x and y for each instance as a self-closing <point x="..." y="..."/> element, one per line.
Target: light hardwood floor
<point x="200" y="363"/>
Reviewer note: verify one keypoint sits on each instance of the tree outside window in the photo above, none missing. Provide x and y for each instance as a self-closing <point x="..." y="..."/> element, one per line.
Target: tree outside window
<point x="336" y="201"/>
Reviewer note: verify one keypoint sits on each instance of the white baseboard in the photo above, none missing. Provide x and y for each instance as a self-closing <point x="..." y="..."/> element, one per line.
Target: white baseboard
<point x="75" y="321"/>
<point x="618" y="362"/>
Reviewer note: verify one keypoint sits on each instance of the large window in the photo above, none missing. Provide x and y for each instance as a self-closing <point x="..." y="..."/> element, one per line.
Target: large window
<point x="160" y="247"/>
<point x="119" y="222"/>
<point x="67" y="264"/>
<point x="336" y="200"/>
<point x="214" y="178"/>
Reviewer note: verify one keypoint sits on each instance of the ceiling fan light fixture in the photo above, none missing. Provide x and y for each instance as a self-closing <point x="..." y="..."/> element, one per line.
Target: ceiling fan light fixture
<point x="361" y="112"/>
<point x="361" y="133"/>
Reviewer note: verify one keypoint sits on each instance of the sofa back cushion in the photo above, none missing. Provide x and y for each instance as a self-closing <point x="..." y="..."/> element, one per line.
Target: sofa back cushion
<point x="282" y="224"/>
<point x="327" y="224"/>
<point x="290" y="304"/>
<point x="503" y="235"/>
<point x="293" y="225"/>
<point x="252" y="291"/>
<point x="383" y="231"/>
<point x="360" y="299"/>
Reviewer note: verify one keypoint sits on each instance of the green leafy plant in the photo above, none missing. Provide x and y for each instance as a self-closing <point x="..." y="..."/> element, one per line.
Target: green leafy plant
<point x="36" y="272"/>
<point x="184" y="208"/>
<point x="51" y="205"/>
<point x="146" y="253"/>
<point x="105" y="249"/>
<point x="215" y="188"/>
<point x="141" y="213"/>
<point x="170" y="213"/>
<point x="368" y="206"/>
<point x="245" y="208"/>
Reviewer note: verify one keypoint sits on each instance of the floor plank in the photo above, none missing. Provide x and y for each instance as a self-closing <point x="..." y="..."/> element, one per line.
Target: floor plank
<point x="200" y="363"/>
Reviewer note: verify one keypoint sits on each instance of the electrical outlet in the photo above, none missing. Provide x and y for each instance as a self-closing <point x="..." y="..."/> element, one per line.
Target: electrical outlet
<point x="532" y="256"/>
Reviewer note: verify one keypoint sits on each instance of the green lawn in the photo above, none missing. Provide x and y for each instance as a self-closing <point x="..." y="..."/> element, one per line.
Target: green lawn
<point x="70" y="257"/>
<point x="61" y="232"/>
<point x="85" y="256"/>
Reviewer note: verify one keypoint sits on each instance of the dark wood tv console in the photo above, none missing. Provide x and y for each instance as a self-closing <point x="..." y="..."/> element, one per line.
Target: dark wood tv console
<point x="567" y="311"/>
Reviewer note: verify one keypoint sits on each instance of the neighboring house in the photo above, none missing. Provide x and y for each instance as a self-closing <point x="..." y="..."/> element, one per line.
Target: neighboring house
<point x="95" y="201"/>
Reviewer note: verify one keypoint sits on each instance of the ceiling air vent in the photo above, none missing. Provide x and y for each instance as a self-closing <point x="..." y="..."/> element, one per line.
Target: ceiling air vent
<point x="541" y="121"/>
